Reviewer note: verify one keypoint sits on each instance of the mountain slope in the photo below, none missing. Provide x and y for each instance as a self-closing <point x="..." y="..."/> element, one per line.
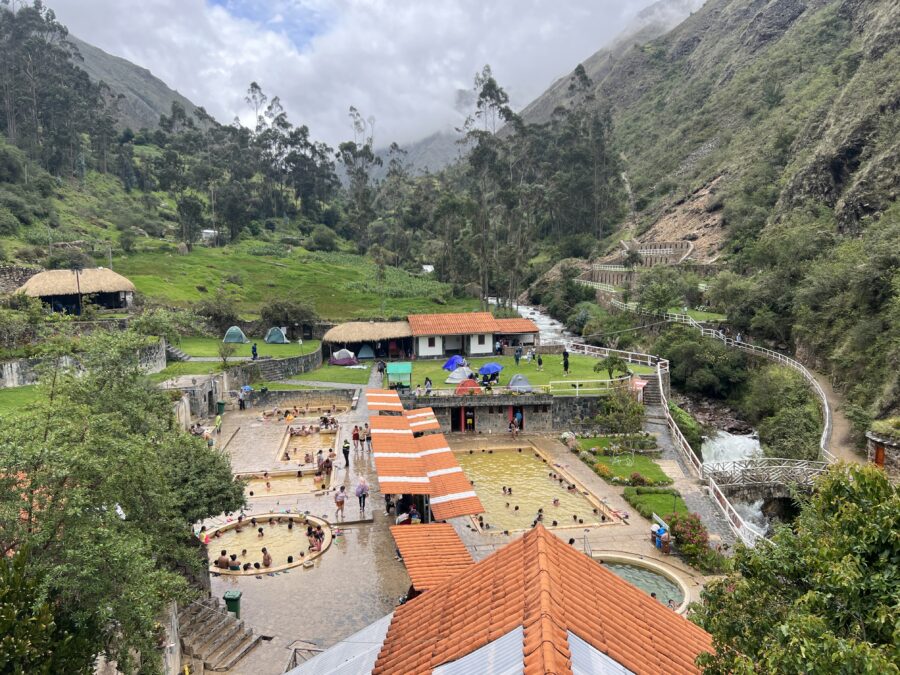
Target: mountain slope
<point x="650" y="23"/>
<point x="146" y="96"/>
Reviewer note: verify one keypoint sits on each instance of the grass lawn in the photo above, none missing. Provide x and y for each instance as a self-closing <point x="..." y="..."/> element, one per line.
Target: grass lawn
<point x="15" y="398"/>
<point x="594" y="442"/>
<point x="282" y="386"/>
<point x="580" y="368"/>
<point x="336" y="374"/>
<point x="186" y="368"/>
<point x="661" y="504"/>
<point x="340" y="286"/>
<point x="207" y="346"/>
<point x="642" y="465"/>
<point x="698" y="315"/>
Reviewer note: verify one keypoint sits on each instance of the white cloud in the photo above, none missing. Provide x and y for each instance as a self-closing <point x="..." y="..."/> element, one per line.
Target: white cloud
<point x="401" y="61"/>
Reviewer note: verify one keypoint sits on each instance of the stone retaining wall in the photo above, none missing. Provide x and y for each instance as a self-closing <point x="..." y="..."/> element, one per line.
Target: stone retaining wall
<point x="24" y="372"/>
<point x="13" y="276"/>
<point x="890" y="449"/>
<point x="273" y="369"/>
<point x="300" y="397"/>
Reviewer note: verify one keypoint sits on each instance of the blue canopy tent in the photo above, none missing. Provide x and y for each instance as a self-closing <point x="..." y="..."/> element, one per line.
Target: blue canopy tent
<point x="454" y="362"/>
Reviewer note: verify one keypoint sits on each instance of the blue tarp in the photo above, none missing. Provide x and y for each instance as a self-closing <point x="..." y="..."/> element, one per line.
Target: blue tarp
<point x="454" y="362"/>
<point x="491" y="368"/>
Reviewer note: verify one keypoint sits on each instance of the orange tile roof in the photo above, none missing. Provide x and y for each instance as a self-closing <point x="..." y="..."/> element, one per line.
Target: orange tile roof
<point x="460" y="323"/>
<point x="383" y="399"/>
<point x="424" y="465"/>
<point x="422" y="419"/>
<point x="550" y="589"/>
<point x="510" y="326"/>
<point x="432" y="553"/>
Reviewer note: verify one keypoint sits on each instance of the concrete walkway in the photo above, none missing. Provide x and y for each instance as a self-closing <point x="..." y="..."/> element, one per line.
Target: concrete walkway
<point x="692" y="491"/>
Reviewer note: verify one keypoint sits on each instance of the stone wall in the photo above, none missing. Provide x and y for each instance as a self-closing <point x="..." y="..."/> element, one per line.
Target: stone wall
<point x="24" y="372"/>
<point x="12" y="276"/>
<point x="272" y="369"/>
<point x="492" y="413"/>
<point x="891" y="449"/>
<point x="300" y="397"/>
<point x="570" y="411"/>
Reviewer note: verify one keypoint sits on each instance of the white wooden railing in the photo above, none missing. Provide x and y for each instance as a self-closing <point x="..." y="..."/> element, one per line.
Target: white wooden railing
<point x="748" y="533"/>
<point x="763" y="352"/>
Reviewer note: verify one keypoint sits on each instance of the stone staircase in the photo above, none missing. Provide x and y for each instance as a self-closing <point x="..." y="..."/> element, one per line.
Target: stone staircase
<point x="652" y="395"/>
<point x="175" y="354"/>
<point x="212" y="639"/>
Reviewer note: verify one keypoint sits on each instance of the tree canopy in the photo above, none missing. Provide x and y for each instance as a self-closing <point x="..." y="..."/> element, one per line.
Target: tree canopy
<point x="99" y="488"/>
<point x="824" y="596"/>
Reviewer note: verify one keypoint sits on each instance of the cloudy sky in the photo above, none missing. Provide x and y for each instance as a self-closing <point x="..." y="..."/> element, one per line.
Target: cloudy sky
<point x="401" y="61"/>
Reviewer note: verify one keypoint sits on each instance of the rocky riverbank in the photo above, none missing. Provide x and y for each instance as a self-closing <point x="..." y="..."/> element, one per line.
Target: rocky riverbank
<point x="714" y="415"/>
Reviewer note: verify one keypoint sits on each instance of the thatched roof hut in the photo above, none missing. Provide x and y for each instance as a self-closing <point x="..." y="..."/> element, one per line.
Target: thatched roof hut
<point x="368" y="331"/>
<point x="371" y="339"/>
<point x="68" y="282"/>
<point x="63" y="290"/>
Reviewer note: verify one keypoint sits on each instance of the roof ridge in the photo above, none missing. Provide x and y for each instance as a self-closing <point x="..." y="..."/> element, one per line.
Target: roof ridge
<point x="551" y="621"/>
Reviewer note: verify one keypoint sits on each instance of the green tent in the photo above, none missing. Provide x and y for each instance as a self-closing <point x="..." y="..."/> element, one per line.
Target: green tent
<point x="276" y="336"/>
<point x="399" y="374"/>
<point x="235" y="334"/>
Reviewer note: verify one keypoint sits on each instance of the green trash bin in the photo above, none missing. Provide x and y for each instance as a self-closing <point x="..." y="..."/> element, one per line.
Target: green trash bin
<point x="220" y="407"/>
<point x="233" y="602"/>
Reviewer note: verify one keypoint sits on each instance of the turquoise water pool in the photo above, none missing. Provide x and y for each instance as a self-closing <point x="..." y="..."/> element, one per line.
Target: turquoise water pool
<point x="648" y="581"/>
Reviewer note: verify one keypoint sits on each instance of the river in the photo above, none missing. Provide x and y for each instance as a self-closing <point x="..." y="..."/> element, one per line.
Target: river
<point x="726" y="447"/>
<point x="550" y="329"/>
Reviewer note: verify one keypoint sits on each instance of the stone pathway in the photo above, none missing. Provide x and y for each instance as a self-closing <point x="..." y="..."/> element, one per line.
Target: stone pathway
<point x="354" y="583"/>
<point x="323" y="384"/>
<point x="692" y="491"/>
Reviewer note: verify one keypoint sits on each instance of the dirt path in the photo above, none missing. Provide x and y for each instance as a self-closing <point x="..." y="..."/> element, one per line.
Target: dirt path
<point x="840" y="445"/>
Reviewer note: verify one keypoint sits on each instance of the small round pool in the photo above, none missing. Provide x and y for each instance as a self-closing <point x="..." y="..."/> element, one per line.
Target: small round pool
<point x="648" y="580"/>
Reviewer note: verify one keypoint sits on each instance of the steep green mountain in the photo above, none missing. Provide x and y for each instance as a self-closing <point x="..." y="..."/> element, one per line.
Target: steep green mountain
<point x="146" y="97"/>
<point x="650" y="23"/>
<point x="777" y="121"/>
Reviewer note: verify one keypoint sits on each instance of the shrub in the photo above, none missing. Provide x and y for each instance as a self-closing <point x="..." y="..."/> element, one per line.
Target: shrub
<point x="9" y="224"/>
<point x="322" y="238"/>
<point x="637" y="479"/>
<point x="603" y="471"/>
<point x="692" y="540"/>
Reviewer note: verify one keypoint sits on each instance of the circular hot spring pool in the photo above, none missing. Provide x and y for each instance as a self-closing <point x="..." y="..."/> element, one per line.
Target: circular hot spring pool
<point x="648" y="580"/>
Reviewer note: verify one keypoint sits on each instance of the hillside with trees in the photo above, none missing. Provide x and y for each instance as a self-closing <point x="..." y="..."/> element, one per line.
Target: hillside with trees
<point x="782" y="114"/>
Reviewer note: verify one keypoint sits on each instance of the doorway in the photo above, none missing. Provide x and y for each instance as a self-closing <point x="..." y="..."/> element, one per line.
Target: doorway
<point x="517" y="412"/>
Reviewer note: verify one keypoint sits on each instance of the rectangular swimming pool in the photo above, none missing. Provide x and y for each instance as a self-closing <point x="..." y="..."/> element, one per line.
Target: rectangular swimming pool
<point x="535" y="484"/>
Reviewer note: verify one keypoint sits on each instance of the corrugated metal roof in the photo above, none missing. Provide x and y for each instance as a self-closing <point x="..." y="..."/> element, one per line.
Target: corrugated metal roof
<point x="503" y="656"/>
<point x="354" y="655"/>
<point x="587" y="660"/>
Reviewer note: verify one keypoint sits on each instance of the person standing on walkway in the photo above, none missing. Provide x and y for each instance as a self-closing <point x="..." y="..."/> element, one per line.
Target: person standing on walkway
<point x="362" y="491"/>
<point x="565" y="362"/>
<point x="368" y="443"/>
<point x="254" y="352"/>
<point x="356" y="437"/>
<point x="340" y="498"/>
<point x="240" y="399"/>
<point x="346" y="450"/>
<point x="218" y="424"/>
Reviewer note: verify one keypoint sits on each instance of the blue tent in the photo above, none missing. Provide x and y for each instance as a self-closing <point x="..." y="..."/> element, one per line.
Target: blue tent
<point x="491" y="368"/>
<point x="454" y="362"/>
<point x="366" y="352"/>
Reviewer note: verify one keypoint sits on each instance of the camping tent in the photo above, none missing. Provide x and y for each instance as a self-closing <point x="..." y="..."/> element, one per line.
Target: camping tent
<point x="454" y="362"/>
<point x="235" y="334"/>
<point x="276" y="336"/>
<point x="468" y="387"/>
<point x="520" y="383"/>
<point x="366" y="352"/>
<point x="458" y="375"/>
<point x="343" y="357"/>
<point x="492" y="368"/>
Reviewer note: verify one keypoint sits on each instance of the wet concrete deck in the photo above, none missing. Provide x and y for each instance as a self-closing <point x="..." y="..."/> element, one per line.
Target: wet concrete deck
<point x="358" y="580"/>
